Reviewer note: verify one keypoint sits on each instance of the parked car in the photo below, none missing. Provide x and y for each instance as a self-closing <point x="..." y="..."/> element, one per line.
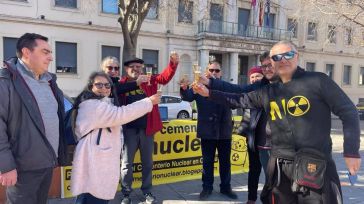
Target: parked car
<point x="176" y="107"/>
<point x="360" y="107"/>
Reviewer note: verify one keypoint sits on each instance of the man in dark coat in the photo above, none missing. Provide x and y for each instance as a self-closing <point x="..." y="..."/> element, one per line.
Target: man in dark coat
<point x="31" y="122"/>
<point x="214" y="127"/>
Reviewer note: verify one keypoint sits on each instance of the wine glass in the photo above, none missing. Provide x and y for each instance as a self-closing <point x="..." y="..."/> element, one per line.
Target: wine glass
<point x="149" y="71"/>
<point x="197" y="72"/>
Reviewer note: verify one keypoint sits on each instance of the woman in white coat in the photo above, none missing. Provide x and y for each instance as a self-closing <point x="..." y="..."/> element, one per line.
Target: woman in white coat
<point x="96" y="162"/>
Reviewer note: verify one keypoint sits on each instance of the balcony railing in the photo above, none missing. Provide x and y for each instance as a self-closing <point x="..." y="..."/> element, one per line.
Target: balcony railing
<point x="235" y="29"/>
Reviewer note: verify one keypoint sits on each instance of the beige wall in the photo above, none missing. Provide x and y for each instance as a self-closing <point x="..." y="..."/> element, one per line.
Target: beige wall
<point x="166" y="34"/>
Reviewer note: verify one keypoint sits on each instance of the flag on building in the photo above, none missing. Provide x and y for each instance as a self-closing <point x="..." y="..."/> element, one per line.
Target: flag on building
<point x="261" y="12"/>
<point x="255" y="10"/>
<point x="267" y="13"/>
<point x="254" y="3"/>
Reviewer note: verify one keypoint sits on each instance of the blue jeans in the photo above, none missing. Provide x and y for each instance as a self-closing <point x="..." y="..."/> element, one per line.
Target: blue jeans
<point x="86" y="198"/>
<point x="208" y="154"/>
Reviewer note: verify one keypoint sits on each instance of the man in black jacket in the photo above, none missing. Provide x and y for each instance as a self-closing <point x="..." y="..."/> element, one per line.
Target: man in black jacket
<point x="214" y="127"/>
<point x="299" y="108"/>
<point x="31" y="122"/>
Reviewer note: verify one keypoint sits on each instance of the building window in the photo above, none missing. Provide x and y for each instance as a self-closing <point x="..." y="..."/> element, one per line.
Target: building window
<point x="292" y="27"/>
<point x="348" y="36"/>
<point x="312" y="31"/>
<point x="150" y="58"/>
<point x="331" y="35"/>
<point x="153" y="11"/>
<point x="361" y="76"/>
<point x="269" y="20"/>
<point x="185" y="11"/>
<point x="347" y="75"/>
<point x="66" y="57"/>
<point x="330" y="70"/>
<point x="111" y="51"/>
<point x="9" y="49"/>
<point x="243" y="20"/>
<point x="66" y="3"/>
<point x="217" y="17"/>
<point x="310" y="66"/>
<point x="110" y="6"/>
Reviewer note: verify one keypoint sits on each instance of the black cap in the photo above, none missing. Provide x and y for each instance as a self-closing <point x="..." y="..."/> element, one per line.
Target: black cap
<point x="135" y="60"/>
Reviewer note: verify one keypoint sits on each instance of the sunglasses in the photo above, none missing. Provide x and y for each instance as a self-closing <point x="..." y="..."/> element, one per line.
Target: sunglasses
<point x="110" y="68"/>
<point x="214" y="70"/>
<point x="100" y="85"/>
<point x="288" y="56"/>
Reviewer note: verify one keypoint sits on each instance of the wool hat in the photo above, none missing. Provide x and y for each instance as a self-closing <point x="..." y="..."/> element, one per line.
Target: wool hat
<point x="254" y="70"/>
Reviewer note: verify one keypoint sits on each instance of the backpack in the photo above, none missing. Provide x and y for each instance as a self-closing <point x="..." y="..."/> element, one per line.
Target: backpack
<point x="70" y="123"/>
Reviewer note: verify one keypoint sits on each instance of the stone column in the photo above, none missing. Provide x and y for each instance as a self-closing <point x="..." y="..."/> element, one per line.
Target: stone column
<point x="234" y="67"/>
<point x="204" y="58"/>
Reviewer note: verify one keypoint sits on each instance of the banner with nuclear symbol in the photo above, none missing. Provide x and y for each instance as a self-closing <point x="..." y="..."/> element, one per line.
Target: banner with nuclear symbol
<point x="177" y="156"/>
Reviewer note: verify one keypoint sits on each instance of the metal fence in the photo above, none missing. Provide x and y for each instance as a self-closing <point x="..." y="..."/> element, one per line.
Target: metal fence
<point x="235" y="29"/>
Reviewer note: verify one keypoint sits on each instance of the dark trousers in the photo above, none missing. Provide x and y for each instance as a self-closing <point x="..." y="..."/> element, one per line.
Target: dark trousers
<point x="329" y="194"/>
<point x="31" y="188"/>
<point x="253" y="175"/>
<point x="208" y="154"/>
<point x="86" y="198"/>
<point x="135" y="139"/>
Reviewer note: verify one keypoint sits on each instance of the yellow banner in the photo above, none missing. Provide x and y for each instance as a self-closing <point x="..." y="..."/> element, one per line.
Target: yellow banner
<point x="177" y="156"/>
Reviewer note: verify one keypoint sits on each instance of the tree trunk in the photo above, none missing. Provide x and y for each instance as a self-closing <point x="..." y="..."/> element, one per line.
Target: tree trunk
<point x="129" y="52"/>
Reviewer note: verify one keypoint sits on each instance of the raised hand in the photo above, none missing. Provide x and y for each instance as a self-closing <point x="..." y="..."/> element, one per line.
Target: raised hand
<point x="142" y="79"/>
<point x="184" y="83"/>
<point x="205" y="79"/>
<point x="201" y="89"/>
<point x="156" y="98"/>
<point x="174" y="57"/>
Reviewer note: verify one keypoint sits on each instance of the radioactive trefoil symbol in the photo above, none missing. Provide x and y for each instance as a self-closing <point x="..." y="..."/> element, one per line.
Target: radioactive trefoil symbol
<point x="298" y="106"/>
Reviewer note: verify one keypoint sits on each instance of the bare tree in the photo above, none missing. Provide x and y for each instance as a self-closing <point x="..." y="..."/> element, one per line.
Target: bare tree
<point x="344" y="11"/>
<point x="345" y="15"/>
<point x="132" y="15"/>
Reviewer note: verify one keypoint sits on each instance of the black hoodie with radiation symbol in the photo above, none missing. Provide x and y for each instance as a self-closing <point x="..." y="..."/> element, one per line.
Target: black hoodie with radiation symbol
<point x="299" y="112"/>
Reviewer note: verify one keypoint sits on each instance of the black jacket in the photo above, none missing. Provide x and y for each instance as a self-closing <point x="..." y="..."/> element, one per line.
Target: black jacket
<point x="300" y="113"/>
<point x="255" y="127"/>
<point x="214" y="120"/>
<point x="23" y="144"/>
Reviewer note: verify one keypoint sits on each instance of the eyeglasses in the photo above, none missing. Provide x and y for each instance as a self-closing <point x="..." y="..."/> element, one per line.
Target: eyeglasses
<point x="100" y="85"/>
<point x="266" y="66"/>
<point x="288" y="56"/>
<point x="110" y="68"/>
<point x="214" y="70"/>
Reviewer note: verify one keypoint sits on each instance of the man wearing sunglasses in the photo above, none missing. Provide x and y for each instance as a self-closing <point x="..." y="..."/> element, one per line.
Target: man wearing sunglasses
<point x="139" y="134"/>
<point x="301" y="168"/>
<point x="214" y="127"/>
